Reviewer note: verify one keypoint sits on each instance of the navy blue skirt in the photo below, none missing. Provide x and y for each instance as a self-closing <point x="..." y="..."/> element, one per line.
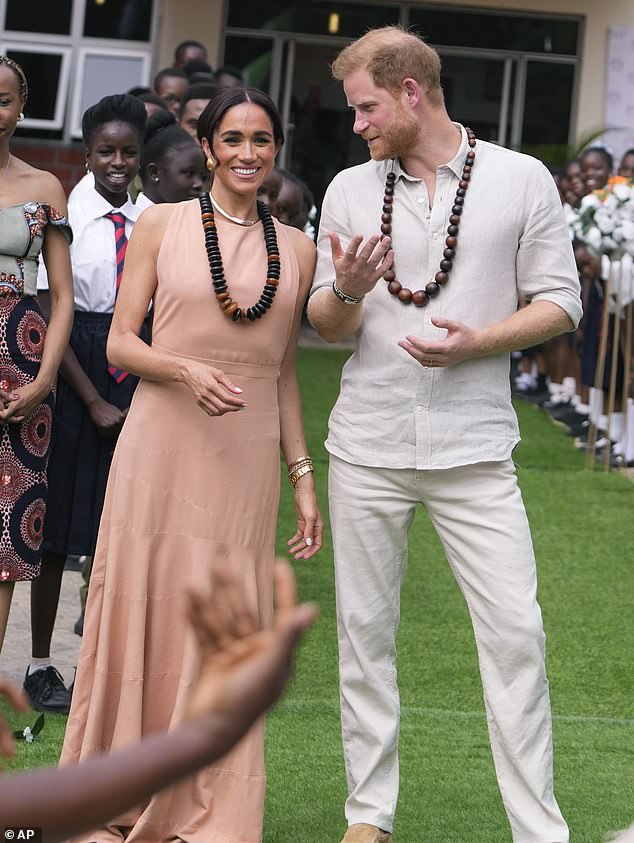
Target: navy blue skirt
<point x="80" y="458"/>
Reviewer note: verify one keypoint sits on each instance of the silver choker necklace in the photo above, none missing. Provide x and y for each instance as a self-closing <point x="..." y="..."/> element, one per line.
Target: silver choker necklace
<point x="229" y="217"/>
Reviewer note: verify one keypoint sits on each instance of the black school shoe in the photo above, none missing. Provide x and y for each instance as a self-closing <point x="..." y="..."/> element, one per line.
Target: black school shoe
<point x="46" y="691"/>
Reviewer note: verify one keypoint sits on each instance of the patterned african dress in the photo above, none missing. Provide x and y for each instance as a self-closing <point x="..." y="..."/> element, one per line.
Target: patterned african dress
<point x="24" y="446"/>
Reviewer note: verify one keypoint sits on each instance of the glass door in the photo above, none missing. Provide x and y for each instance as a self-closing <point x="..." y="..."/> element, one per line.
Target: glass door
<point x="478" y="93"/>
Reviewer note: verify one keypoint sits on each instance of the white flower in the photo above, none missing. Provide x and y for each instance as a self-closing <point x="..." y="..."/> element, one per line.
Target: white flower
<point x="604" y="219"/>
<point x="610" y="203"/>
<point x="591" y="200"/>
<point x="627" y="229"/>
<point x="28" y="735"/>
<point x="593" y="239"/>
<point x="623" y="192"/>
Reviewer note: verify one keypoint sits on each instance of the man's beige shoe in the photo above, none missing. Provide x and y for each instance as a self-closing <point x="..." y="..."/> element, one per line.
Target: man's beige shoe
<point x="364" y="833"/>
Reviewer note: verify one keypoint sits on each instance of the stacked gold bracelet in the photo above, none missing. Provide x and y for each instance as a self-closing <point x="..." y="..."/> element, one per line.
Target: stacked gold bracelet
<point x="299" y="468"/>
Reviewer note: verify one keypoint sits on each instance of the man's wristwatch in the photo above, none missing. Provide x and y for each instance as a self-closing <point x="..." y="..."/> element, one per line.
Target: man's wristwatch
<point x="344" y="297"/>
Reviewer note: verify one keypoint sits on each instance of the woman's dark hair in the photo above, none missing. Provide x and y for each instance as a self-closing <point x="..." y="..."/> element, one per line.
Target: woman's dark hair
<point x="599" y="150"/>
<point x="120" y="108"/>
<point x="226" y="98"/>
<point x="161" y="136"/>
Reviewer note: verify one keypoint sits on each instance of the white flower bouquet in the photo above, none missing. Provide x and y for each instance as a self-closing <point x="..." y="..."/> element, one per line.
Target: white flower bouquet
<point x="605" y="221"/>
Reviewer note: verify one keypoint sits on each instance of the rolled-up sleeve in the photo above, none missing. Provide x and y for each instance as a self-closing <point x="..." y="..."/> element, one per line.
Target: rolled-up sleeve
<point x="546" y="269"/>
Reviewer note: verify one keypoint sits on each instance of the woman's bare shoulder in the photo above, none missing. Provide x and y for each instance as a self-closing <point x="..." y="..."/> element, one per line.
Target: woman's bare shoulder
<point x="38" y="185"/>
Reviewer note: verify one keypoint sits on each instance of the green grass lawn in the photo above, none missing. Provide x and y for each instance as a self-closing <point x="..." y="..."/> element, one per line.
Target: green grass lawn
<point x="582" y="528"/>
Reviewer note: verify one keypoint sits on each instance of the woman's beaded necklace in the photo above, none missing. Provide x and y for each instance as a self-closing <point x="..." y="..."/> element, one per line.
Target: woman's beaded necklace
<point x="230" y="308"/>
<point x="421" y="297"/>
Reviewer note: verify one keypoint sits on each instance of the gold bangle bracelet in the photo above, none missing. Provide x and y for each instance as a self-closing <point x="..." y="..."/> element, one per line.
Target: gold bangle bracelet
<point x="297" y="463"/>
<point x="299" y="472"/>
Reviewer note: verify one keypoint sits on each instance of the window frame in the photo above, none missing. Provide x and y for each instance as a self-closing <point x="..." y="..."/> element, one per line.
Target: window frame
<point x="46" y="48"/>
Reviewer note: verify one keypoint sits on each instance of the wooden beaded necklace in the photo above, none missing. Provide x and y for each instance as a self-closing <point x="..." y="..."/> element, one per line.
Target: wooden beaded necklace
<point x="421" y="297"/>
<point x="230" y="308"/>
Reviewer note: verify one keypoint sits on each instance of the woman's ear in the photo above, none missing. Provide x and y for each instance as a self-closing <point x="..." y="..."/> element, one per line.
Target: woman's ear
<point x="209" y="155"/>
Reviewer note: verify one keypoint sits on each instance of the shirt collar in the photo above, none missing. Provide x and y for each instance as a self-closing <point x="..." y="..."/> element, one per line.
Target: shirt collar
<point x="96" y="206"/>
<point x="455" y="165"/>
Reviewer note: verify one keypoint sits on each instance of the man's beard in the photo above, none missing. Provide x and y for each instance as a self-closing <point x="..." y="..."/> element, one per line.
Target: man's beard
<point x="398" y="140"/>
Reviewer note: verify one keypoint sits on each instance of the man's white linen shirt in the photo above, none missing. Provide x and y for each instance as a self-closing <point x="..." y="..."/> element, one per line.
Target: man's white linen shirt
<point x="513" y="240"/>
<point x="93" y="252"/>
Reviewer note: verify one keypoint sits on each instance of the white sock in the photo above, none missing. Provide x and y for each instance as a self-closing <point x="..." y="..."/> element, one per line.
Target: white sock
<point x="39" y="664"/>
<point x="583" y="409"/>
<point x="569" y="386"/>
<point x="616" y="425"/>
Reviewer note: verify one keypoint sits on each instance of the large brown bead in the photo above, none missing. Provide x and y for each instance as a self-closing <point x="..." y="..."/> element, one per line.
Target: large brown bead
<point x="454" y="219"/>
<point x="452" y="230"/>
<point x="389" y="275"/>
<point x="386" y="218"/>
<point x="405" y="295"/>
<point x="395" y="287"/>
<point x="420" y="298"/>
<point x="446" y="265"/>
<point x="432" y="289"/>
<point x="450" y="254"/>
<point x="452" y="242"/>
<point x="440" y="278"/>
<point x="386" y="228"/>
<point x="463" y="184"/>
<point x="471" y="153"/>
<point x="230" y="307"/>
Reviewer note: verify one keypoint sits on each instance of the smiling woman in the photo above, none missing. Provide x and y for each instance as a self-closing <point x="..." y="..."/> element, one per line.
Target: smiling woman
<point x="195" y="476"/>
<point x="32" y="221"/>
<point x="92" y="398"/>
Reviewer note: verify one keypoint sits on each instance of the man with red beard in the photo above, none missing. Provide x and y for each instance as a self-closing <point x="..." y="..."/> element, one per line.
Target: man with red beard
<point x="424" y="252"/>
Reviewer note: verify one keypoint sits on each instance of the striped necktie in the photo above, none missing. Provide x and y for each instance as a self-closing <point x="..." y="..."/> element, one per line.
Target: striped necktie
<point x="121" y="244"/>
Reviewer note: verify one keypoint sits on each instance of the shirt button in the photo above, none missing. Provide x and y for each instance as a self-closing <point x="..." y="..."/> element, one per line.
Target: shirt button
<point x="435" y="235"/>
<point x="421" y="200"/>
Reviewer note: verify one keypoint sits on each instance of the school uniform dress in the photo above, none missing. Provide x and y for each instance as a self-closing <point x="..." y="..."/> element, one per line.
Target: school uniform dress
<point x="24" y="447"/>
<point x="80" y="458"/>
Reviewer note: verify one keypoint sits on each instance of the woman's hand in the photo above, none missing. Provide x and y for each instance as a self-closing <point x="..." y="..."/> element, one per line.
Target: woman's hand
<point x="213" y="390"/>
<point x="308" y="539"/>
<point x="107" y="418"/>
<point x="19" y="403"/>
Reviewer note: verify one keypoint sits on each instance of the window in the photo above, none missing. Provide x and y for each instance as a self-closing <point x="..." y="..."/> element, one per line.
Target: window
<point x="119" y="19"/>
<point x="47" y="37"/>
<point x="47" y="70"/>
<point x="39" y="16"/>
<point x="315" y="17"/>
<point x="496" y="30"/>
<point x="102" y="72"/>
